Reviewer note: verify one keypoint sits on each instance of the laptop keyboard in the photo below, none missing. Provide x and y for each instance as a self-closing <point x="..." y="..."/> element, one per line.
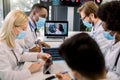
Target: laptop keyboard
<point x="55" y="37"/>
<point x="53" y="40"/>
<point x="53" y="52"/>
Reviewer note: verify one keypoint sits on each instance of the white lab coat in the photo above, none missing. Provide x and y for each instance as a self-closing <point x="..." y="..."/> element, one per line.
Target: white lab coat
<point x="97" y="34"/>
<point x="110" y="59"/>
<point x="30" y="37"/>
<point x="103" y="43"/>
<point x="97" y="28"/>
<point x="8" y="63"/>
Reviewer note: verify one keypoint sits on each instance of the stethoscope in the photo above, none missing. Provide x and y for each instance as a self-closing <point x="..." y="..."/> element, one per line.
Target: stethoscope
<point x="116" y="61"/>
<point x="18" y="63"/>
<point x="32" y="28"/>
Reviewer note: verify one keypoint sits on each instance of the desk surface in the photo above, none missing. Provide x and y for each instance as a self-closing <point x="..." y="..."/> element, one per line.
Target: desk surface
<point x="57" y="44"/>
<point x="58" y="66"/>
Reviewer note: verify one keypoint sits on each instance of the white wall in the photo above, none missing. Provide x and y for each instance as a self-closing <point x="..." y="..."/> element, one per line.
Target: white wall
<point x="70" y="17"/>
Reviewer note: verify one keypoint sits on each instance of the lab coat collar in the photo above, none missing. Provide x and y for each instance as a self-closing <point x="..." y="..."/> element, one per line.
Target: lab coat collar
<point x="5" y="45"/>
<point x="97" y="25"/>
<point x="31" y="22"/>
<point x="115" y="46"/>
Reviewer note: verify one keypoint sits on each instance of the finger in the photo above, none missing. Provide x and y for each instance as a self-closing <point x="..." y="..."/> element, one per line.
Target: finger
<point x="41" y="43"/>
<point x="37" y="47"/>
<point x="48" y="55"/>
<point x="59" y="76"/>
<point x="40" y="64"/>
<point x="45" y="59"/>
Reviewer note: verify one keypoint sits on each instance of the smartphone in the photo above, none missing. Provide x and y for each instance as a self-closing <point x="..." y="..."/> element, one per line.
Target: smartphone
<point x="47" y="65"/>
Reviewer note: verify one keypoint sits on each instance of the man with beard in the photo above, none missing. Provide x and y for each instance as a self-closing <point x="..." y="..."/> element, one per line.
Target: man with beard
<point x="90" y="20"/>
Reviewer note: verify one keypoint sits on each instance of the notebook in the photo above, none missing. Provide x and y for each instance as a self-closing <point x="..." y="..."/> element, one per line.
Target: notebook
<point x="55" y="30"/>
<point x="53" y="52"/>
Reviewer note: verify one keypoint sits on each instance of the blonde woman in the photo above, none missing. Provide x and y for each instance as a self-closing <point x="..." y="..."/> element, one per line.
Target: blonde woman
<point x="11" y="54"/>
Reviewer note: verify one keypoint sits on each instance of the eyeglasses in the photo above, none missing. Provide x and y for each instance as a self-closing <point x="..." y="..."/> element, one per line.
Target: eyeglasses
<point x="83" y="18"/>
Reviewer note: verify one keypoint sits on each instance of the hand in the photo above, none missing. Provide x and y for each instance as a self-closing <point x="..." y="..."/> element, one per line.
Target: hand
<point x="65" y="76"/>
<point x="35" y="49"/>
<point x="44" y="56"/>
<point x="35" y="67"/>
<point x="44" y="44"/>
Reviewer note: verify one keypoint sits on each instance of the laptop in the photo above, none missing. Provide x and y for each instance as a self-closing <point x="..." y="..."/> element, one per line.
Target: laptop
<point x="55" y="30"/>
<point x="53" y="52"/>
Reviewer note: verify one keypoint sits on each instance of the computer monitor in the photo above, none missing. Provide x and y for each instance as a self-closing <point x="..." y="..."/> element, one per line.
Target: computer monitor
<point x="56" y="28"/>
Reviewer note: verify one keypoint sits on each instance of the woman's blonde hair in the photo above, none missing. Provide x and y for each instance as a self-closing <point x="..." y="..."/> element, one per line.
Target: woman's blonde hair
<point x="15" y="18"/>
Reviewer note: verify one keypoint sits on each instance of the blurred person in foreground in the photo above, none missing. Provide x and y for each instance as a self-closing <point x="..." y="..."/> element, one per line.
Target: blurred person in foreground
<point x="83" y="56"/>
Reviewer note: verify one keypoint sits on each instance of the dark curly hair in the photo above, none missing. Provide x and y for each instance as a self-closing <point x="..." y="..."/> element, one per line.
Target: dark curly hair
<point x="109" y="13"/>
<point x="61" y="28"/>
<point x="82" y="54"/>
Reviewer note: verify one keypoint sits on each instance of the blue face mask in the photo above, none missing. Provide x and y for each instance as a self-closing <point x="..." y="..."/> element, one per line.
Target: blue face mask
<point x="108" y="36"/>
<point x="21" y="35"/>
<point x="40" y="23"/>
<point x="87" y="24"/>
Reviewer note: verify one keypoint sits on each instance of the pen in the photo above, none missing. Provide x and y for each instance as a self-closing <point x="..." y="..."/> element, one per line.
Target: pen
<point x="64" y="72"/>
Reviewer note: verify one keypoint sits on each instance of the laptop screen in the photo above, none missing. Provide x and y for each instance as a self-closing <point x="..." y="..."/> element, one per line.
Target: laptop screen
<point x="56" y="28"/>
